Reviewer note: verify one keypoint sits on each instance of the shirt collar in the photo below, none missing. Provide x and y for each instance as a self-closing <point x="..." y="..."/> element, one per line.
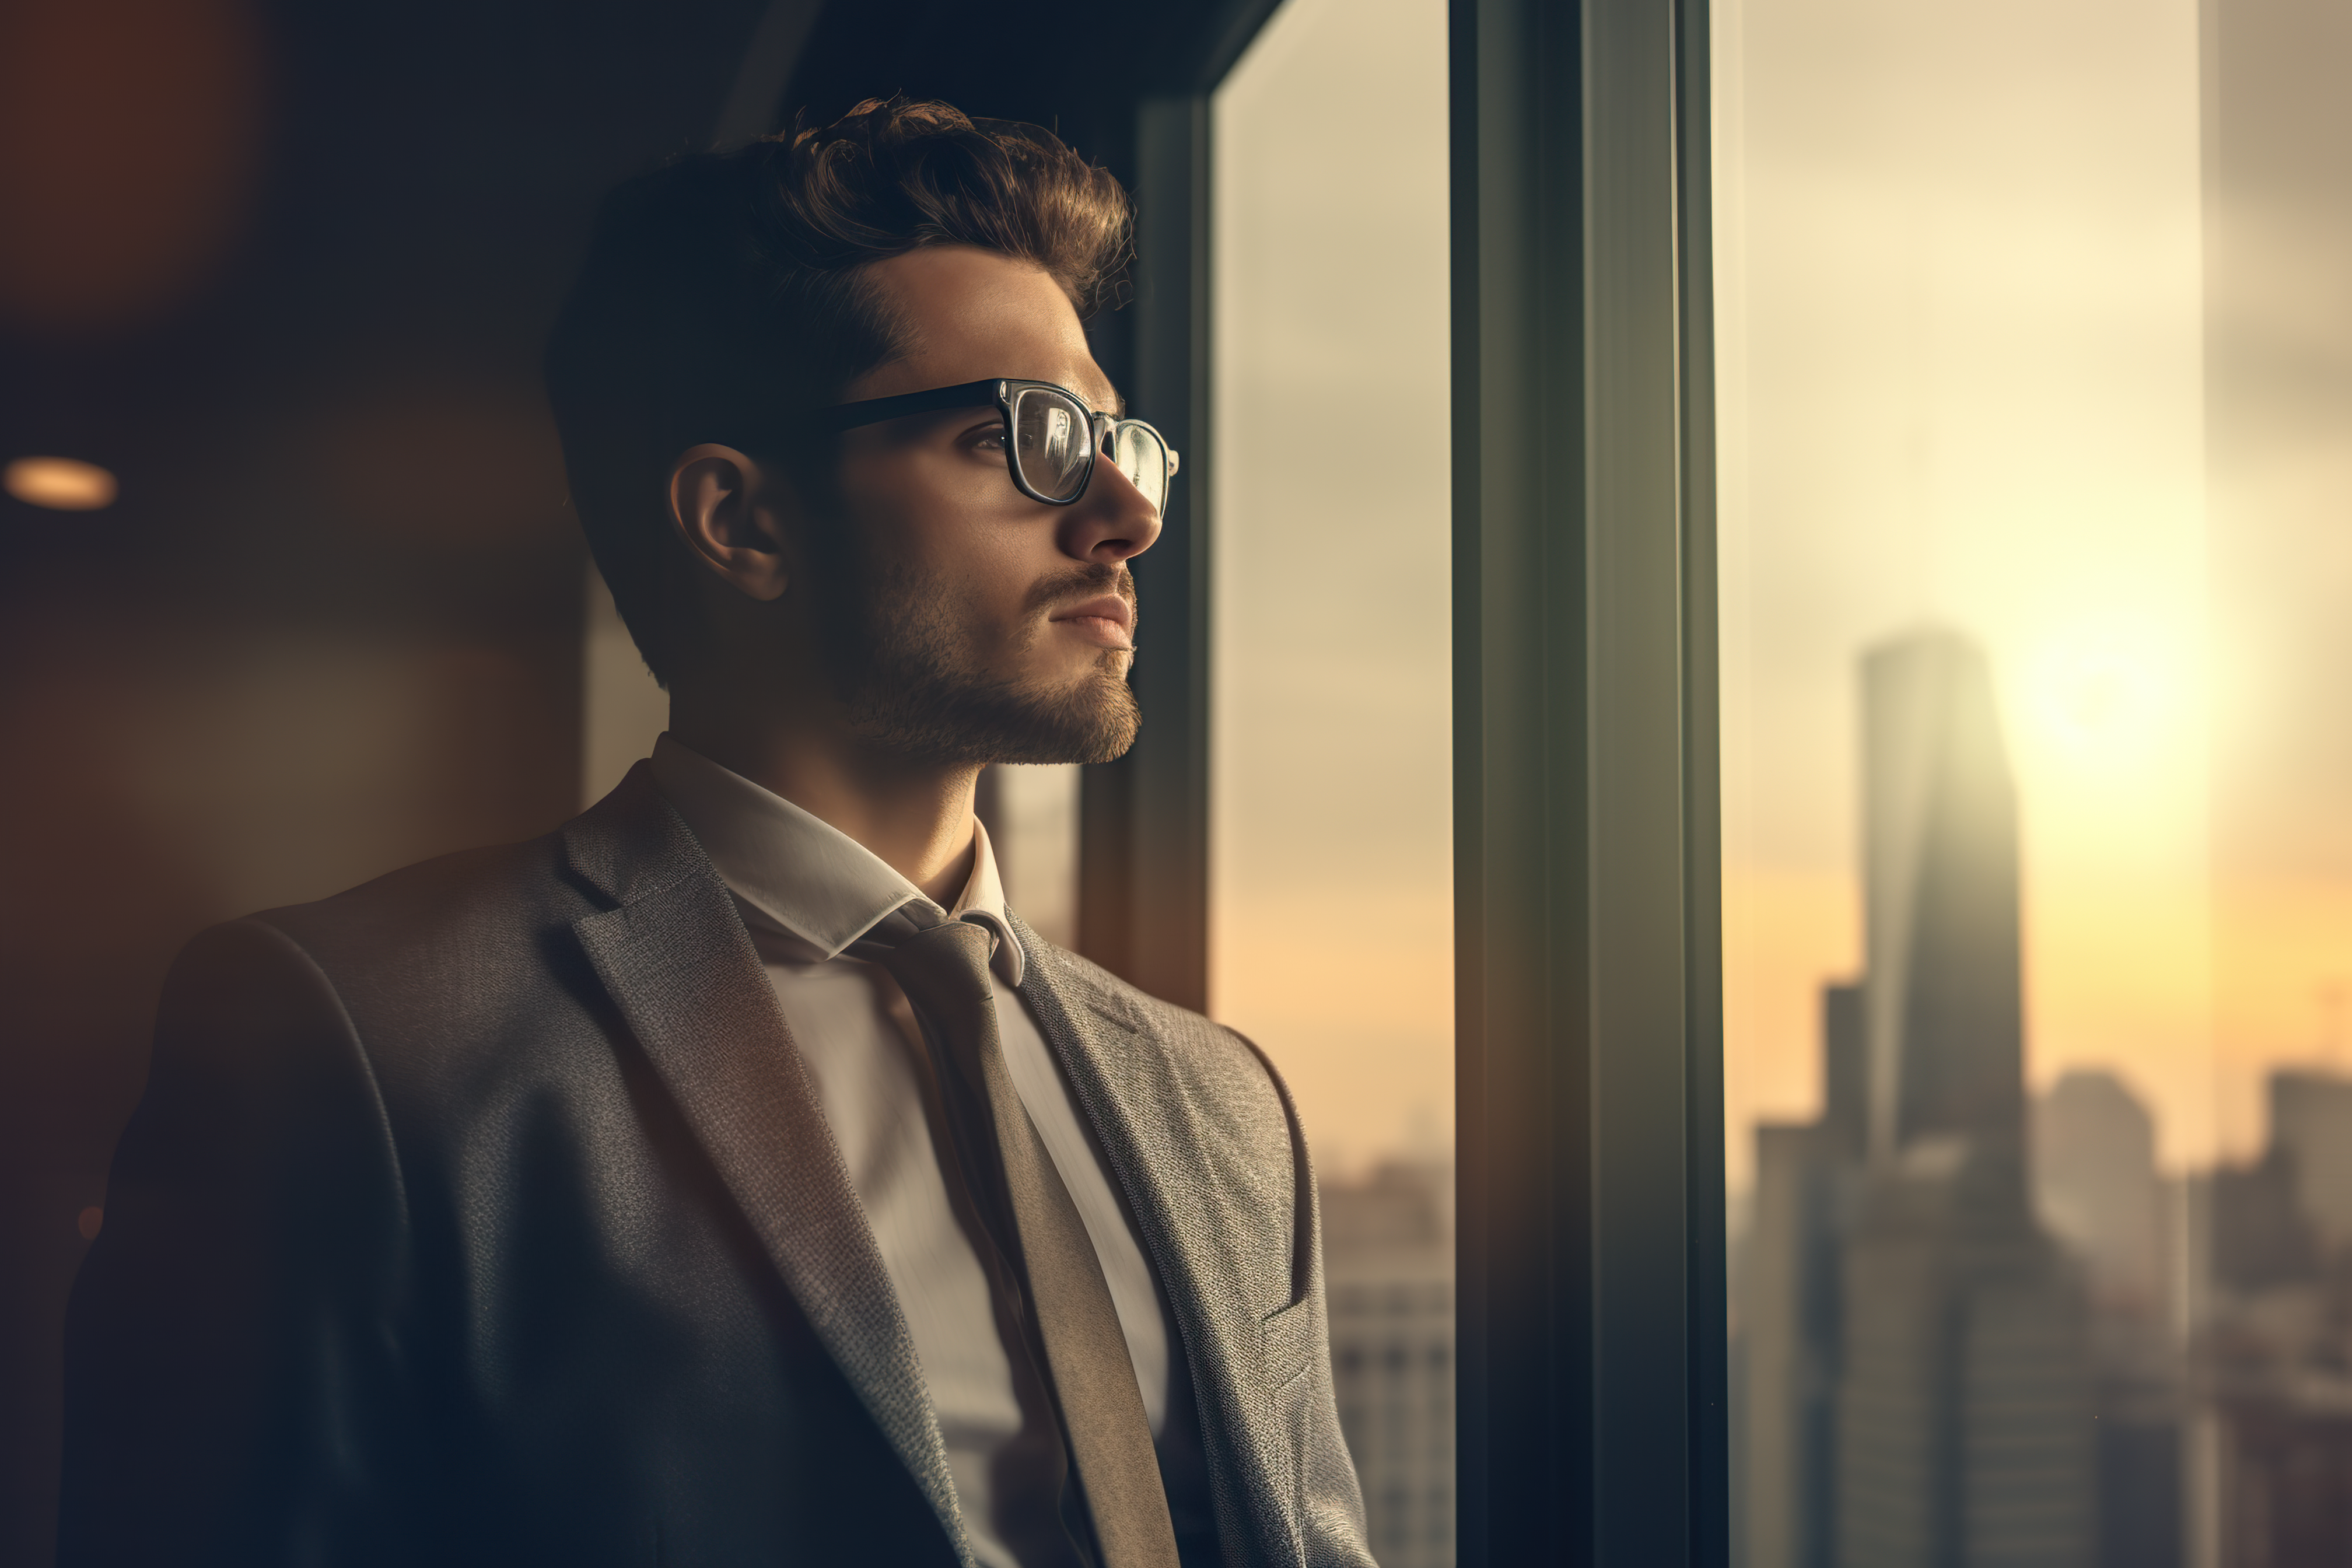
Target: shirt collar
<point x="806" y="874"/>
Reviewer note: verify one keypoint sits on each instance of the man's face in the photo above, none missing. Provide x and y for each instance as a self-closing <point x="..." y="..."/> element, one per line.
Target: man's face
<point x="974" y="623"/>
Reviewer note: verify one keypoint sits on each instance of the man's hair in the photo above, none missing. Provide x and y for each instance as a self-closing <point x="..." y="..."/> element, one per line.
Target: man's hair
<point x="725" y="293"/>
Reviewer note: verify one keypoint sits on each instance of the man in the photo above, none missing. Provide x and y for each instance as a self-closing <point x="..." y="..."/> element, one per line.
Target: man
<point x="730" y="1177"/>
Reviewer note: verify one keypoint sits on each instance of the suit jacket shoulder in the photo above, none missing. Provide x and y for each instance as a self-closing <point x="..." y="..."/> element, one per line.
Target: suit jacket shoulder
<point x="447" y="936"/>
<point x="423" y="1247"/>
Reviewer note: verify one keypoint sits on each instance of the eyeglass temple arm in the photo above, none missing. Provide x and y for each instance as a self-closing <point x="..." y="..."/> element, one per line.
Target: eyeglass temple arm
<point x="874" y="410"/>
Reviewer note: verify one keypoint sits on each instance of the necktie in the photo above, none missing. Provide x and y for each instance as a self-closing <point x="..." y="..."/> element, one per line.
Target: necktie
<point x="944" y="972"/>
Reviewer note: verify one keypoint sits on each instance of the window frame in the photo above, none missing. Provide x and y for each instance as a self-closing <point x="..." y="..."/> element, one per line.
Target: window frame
<point x="1592" y="1406"/>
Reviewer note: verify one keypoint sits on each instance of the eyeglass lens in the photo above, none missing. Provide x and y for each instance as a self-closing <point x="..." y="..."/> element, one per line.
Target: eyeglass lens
<point x="1053" y="440"/>
<point x="1142" y="457"/>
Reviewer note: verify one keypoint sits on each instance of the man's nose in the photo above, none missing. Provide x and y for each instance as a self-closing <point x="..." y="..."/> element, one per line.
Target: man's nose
<point x="1112" y="521"/>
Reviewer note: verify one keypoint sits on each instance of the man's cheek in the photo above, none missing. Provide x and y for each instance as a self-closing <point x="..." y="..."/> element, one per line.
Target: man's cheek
<point x="995" y="618"/>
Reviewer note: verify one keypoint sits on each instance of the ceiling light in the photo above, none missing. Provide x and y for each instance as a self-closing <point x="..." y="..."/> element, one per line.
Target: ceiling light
<point x="60" y="484"/>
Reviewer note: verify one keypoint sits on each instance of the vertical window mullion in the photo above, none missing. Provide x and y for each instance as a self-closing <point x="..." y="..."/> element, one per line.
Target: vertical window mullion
<point x="1592" y="1379"/>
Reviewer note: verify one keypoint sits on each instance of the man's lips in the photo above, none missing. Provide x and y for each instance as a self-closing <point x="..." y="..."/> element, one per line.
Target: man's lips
<point x="1106" y="619"/>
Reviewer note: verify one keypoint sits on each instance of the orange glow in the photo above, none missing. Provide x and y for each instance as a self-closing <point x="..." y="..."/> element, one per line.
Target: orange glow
<point x="1788" y="932"/>
<point x="61" y="484"/>
<point x="2282" y="986"/>
<point x="1357" y="1014"/>
<point x="1330" y="880"/>
<point x="2190" y="1003"/>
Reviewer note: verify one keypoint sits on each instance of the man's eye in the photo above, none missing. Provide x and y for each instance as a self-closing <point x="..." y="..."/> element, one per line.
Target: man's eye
<point x="989" y="440"/>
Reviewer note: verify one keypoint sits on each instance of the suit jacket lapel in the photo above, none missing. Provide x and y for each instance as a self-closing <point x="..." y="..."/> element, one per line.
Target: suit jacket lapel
<point x="680" y="966"/>
<point x="1163" y="1147"/>
<point x="1142" y="1114"/>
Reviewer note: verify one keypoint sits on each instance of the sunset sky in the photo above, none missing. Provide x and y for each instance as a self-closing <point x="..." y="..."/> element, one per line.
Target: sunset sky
<point x="1963" y="287"/>
<point x="1331" y="919"/>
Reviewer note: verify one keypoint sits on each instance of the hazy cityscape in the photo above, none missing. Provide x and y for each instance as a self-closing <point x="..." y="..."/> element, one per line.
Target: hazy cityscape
<point x="1975" y="1328"/>
<point x="1388" y="1243"/>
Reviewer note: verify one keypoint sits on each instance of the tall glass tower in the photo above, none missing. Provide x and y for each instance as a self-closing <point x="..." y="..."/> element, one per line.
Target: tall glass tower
<point x="1965" y="1436"/>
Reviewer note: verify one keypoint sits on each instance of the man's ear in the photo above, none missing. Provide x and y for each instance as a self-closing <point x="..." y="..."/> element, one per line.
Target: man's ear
<point x="730" y="508"/>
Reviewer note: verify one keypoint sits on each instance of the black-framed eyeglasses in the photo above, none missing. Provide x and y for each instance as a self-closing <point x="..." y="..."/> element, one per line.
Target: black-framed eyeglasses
<point x="1051" y="437"/>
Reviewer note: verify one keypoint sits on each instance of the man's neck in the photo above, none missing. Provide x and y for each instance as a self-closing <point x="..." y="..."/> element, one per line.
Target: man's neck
<point x="917" y="818"/>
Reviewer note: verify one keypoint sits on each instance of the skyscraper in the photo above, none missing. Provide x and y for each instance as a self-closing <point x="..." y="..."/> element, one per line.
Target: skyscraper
<point x="2311" y="1126"/>
<point x="1916" y="1349"/>
<point x="1790" y="1305"/>
<point x="1964" y="1408"/>
<point x="2095" y="1186"/>
<point x="2270" y="1347"/>
<point x="1942" y="1006"/>
<point x="1789" y="1312"/>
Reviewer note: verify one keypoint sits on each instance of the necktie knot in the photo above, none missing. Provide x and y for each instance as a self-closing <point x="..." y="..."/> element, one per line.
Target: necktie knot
<point x="943" y="968"/>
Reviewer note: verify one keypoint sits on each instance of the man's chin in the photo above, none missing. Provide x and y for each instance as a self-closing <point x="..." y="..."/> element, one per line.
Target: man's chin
<point x="1095" y="722"/>
<point x="1092" y="719"/>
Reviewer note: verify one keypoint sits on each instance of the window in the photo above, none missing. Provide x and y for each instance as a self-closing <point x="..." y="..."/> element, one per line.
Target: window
<point x="1330" y="912"/>
<point x="2034" y="354"/>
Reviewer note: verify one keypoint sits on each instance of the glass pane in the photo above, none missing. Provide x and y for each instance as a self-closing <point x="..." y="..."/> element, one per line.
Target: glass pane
<point x="2035" y="354"/>
<point x="1331" y="907"/>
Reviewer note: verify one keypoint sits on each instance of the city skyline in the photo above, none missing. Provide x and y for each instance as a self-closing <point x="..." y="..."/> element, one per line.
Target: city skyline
<point x="1974" y="1328"/>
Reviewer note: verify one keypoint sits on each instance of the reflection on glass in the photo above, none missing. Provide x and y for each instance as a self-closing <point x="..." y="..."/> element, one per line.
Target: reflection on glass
<point x="1331" y="912"/>
<point x="2035" y="358"/>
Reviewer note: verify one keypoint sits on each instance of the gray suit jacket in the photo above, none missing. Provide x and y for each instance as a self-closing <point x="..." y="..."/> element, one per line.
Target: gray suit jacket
<point x="486" y="1213"/>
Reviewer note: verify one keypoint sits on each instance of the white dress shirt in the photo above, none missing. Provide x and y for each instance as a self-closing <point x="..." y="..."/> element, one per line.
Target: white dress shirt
<point x="806" y="891"/>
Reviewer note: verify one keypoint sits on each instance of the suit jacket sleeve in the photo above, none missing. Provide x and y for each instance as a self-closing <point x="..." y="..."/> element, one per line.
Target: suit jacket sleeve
<point x="233" y="1387"/>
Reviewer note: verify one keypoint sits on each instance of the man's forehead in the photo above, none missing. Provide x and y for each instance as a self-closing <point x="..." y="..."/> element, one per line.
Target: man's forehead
<point x="966" y="314"/>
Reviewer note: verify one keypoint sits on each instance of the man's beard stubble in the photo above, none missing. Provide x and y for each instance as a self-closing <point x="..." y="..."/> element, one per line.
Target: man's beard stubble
<point x="896" y="660"/>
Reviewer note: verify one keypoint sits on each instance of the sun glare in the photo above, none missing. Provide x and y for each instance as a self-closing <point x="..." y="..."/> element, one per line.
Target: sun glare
<point x="2099" y="701"/>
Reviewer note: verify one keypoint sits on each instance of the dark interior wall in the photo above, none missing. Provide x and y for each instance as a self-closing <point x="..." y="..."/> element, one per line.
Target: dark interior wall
<point x="285" y="272"/>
